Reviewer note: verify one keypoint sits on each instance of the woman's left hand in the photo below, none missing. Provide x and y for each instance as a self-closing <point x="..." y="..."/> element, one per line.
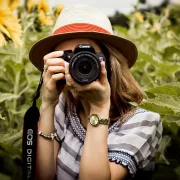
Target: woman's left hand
<point x="96" y="93"/>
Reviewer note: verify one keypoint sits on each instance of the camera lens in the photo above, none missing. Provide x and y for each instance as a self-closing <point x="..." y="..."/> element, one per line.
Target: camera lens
<point x="85" y="66"/>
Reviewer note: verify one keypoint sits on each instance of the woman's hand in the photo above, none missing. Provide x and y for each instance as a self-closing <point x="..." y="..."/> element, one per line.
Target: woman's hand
<point x="54" y="72"/>
<point x="97" y="93"/>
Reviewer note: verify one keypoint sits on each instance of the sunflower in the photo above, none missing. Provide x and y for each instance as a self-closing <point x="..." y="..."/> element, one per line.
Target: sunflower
<point x="9" y="27"/>
<point x="42" y="10"/>
<point x="59" y="8"/>
<point x="139" y="17"/>
<point x="44" y="19"/>
<point x="31" y="4"/>
<point x="11" y="4"/>
<point x="43" y="6"/>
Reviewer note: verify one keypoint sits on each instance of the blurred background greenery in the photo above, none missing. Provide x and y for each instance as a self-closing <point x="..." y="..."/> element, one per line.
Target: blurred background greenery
<point x="155" y="31"/>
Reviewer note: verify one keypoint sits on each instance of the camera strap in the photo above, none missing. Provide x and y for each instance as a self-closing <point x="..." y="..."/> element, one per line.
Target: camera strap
<point x="29" y="141"/>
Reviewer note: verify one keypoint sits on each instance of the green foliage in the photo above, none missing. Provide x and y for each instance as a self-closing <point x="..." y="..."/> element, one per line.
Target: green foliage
<point x="18" y="82"/>
<point x="157" y="70"/>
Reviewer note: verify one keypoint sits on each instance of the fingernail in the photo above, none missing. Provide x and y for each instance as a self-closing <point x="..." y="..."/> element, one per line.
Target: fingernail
<point x="66" y="63"/>
<point x="102" y="63"/>
<point x="59" y="53"/>
<point x="45" y="57"/>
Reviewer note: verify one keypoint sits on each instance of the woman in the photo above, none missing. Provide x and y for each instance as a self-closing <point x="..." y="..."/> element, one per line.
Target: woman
<point x="98" y="133"/>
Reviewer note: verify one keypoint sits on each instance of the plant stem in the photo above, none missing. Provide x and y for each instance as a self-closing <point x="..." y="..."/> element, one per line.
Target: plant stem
<point x="16" y="90"/>
<point x="18" y="74"/>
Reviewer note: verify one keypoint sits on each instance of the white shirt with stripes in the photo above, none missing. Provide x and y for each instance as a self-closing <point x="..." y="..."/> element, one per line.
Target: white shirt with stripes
<point x="132" y="144"/>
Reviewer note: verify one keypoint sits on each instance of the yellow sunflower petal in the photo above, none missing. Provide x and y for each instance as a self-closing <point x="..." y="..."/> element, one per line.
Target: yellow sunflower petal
<point x="10" y="4"/>
<point x="13" y="4"/>
<point x="4" y="4"/>
<point x="43" y="6"/>
<point x="9" y="25"/>
<point x="4" y="30"/>
<point x="45" y="20"/>
<point x="2" y="40"/>
<point x="17" y="40"/>
<point x="31" y="4"/>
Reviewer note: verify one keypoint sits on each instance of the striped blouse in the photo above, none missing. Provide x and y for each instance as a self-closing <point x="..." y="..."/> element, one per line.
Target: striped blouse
<point x="132" y="144"/>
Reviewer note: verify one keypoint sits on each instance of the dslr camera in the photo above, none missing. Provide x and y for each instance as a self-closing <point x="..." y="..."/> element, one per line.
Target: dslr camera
<point x="84" y="63"/>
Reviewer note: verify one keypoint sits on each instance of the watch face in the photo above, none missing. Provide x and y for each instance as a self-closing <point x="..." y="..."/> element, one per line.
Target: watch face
<point x="94" y="120"/>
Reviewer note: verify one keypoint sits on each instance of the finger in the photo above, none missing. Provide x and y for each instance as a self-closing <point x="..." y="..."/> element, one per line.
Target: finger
<point x="70" y="82"/>
<point x="53" y="54"/>
<point x="66" y="68"/>
<point x="52" y="70"/>
<point x="54" y="78"/>
<point x="103" y="74"/>
<point x="55" y="62"/>
<point x="55" y="69"/>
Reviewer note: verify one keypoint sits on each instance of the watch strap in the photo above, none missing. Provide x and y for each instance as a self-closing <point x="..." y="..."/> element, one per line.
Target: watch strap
<point x="104" y="121"/>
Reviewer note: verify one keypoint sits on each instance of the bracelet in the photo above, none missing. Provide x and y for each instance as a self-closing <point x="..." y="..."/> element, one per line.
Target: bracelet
<point x="56" y="137"/>
<point x="49" y="137"/>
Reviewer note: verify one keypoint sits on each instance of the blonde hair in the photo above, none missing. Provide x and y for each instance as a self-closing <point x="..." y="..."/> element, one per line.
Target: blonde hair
<point x="124" y="88"/>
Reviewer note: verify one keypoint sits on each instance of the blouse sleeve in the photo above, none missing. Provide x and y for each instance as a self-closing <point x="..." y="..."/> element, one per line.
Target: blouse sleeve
<point x="60" y="124"/>
<point x="135" y="143"/>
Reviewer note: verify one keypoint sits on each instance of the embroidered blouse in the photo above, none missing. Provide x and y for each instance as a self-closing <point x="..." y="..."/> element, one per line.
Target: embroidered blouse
<point x="132" y="144"/>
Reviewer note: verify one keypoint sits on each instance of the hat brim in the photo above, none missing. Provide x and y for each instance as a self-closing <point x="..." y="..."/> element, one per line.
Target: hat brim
<point x="44" y="46"/>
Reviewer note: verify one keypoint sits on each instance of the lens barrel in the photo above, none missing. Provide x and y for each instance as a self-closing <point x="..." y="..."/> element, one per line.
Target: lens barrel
<point x="84" y="67"/>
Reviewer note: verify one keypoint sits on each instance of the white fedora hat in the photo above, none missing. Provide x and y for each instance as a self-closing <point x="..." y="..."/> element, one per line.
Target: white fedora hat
<point x="82" y="21"/>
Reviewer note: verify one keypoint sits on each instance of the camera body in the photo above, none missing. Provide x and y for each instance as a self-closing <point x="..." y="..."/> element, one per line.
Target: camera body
<point x="84" y="63"/>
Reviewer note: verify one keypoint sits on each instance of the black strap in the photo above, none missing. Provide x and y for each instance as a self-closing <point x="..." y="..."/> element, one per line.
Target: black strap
<point x="29" y="143"/>
<point x="38" y="90"/>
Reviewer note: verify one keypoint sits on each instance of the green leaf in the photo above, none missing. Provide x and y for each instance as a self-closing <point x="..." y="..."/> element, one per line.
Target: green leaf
<point x="172" y="124"/>
<point x="165" y="105"/>
<point x="16" y="67"/>
<point x="172" y="53"/>
<point x="165" y="142"/>
<point x="7" y="97"/>
<point x="121" y="30"/>
<point x="155" y="107"/>
<point x="2" y="118"/>
<point x="162" y="67"/>
<point x="168" y="89"/>
<point x="8" y="148"/>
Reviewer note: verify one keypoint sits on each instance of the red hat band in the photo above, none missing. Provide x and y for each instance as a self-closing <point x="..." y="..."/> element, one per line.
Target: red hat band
<point x="80" y="27"/>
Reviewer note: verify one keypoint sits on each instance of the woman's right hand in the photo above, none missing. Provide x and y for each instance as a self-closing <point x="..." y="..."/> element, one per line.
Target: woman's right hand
<point x="55" y="72"/>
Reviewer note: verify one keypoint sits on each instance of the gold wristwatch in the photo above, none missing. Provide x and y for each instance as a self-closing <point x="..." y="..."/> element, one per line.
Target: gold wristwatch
<point x="95" y="120"/>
